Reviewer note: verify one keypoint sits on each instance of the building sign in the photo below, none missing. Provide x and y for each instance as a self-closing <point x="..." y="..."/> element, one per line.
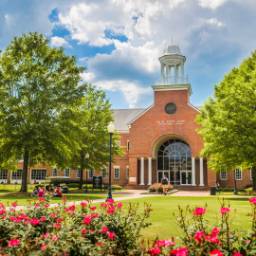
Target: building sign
<point x="170" y="122"/>
<point x="97" y="182"/>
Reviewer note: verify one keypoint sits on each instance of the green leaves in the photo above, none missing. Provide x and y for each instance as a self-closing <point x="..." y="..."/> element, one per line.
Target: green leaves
<point x="228" y="120"/>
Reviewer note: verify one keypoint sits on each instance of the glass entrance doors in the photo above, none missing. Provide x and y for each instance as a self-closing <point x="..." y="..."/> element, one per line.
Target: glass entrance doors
<point x="186" y="178"/>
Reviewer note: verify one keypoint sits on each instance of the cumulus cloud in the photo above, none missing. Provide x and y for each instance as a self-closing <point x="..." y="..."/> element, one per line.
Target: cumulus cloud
<point x="57" y="41"/>
<point x="212" y="4"/>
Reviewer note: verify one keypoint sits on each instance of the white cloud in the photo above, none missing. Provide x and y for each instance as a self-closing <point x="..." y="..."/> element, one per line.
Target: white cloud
<point x="214" y="22"/>
<point x="88" y="77"/>
<point x="131" y="91"/>
<point x="57" y="41"/>
<point x="211" y="4"/>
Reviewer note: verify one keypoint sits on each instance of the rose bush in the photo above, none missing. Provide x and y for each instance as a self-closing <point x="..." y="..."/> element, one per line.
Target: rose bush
<point x="71" y="229"/>
<point x="199" y="239"/>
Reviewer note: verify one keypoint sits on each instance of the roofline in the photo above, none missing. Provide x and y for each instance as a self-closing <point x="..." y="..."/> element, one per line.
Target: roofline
<point x="141" y="114"/>
<point x="195" y="108"/>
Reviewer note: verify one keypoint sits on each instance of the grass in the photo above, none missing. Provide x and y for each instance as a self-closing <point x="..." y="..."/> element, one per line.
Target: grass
<point x="10" y="193"/>
<point x="164" y="224"/>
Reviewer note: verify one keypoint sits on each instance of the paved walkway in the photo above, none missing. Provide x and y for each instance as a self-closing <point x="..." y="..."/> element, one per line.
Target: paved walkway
<point x="134" y="194"/>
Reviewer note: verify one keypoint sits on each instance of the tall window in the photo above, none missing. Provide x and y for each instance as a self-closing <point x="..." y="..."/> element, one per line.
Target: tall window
<point x="3" y="174"/>
<point x="128" y="145"/>
<point x="238" y="174"/>
<point x="127" y="172"/>
<point x="104" y="173"/>
<point x="223" y="175"/>
<point x="38" y="174"/>
<point x="78" y="173"/>
<point x="117" y="173"/>
<point x="90" y="174"/>
<point x="17" y="175"/>
<point x="66" y="172"/>
<point x="54" y="172"/>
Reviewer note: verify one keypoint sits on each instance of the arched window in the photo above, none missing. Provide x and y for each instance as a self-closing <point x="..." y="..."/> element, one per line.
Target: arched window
<point x="174" y="162"/>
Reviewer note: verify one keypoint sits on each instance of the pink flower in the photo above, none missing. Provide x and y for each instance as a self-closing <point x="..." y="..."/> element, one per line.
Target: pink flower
<point x="43" y="219"/>
<point x="2" y="211"/>
<point x="57" y="225"/>
<point x="199" y="235"/>
<point x="182" y="251"/>
<point x="224" y="210"/>
<point x="216" y="252"/>
<point x="111" y="235"/>
<point x="84" y="204"/>
<point x="199" y="211"/>
<point x="55" y="238"/>
<point x="34" y="221"/>
<point x="154" y="251"/>
<point x="252" y="200"/>
<point x="119" y="205"/>
<point x="87" y="220"/>
<point x="111" y="209"/>
<point x="13" y="243"/>
<point x="104" y="230"/>
<point x="43" y="247"/>
<point x="164" y="243"/>
<point x="110" y="201"/>
<point x="70" y="209"/>
<point x="215" y="231"/>
<point x="14" y="204"/>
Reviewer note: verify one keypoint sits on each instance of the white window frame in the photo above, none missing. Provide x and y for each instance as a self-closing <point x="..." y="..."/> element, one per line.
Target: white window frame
<point x="17" y="176"/>
<point x="67" y="172"/>
<point x="104" y="173"/>
<point x="54" y="172"/>
<point x="119" y="172"/>
<point x="222" y="172"/>
<point x="241" y="172"/>
<point x="90" y="174"/>
<point x="3" y="174"/>
<point x="39" y="174"/>
<point x="78" y="173"/>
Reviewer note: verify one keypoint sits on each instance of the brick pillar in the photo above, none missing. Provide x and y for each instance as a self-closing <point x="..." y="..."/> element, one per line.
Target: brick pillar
<point x="133" y="169"/>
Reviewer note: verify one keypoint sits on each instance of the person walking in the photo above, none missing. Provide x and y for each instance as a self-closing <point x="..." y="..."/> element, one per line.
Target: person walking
<point x="165" y="183"/>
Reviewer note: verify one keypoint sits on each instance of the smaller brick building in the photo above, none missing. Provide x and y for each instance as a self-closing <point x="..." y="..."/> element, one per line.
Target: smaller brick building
<point x="159" y="141"/>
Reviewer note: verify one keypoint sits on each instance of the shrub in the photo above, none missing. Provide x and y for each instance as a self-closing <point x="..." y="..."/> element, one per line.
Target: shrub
<point x="158" y="187"/>
<point x="201" y="239"/>
<point x="71" y="230"/>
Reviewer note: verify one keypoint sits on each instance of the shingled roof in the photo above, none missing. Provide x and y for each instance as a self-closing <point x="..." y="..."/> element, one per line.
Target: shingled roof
<point x="122" y="117"/>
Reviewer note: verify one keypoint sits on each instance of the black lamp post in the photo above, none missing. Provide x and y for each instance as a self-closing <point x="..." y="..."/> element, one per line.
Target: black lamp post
<point x="111" y="129"/>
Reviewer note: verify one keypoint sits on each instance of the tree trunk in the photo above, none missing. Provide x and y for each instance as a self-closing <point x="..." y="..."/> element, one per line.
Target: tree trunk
<point x="24" y="183"/>
<point x="82" y="157"/>
<point x="253" y="178"/>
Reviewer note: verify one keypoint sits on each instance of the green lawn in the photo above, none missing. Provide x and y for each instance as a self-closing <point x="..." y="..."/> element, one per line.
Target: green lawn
<point x="164" y="224"/>
<point x="10" y="193"/>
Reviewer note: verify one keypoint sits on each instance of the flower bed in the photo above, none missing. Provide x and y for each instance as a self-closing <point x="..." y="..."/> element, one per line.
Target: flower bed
<point x="200" y="239"/>
<point x="71" y="230"/>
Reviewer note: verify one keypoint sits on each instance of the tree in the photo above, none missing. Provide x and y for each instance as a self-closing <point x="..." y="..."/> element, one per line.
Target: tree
<point x="93" y="118"/>
<point x="228" y="120"/>
<point x="39" y="90"/>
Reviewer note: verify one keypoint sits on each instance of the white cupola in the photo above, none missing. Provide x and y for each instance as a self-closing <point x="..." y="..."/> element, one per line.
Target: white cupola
<point x="172" y="66"/>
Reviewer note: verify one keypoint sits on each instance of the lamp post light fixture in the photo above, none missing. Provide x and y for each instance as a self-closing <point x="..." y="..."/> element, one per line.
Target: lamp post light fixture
<point x="111" y="130"/>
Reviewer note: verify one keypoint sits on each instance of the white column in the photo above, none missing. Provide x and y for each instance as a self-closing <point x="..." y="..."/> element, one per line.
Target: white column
<point x="149" y="171"/>
<point x="201" y="171"/>
<point x="142" y="171"/>
<point x="193" y="171"/>
<point x="176" y="74"/>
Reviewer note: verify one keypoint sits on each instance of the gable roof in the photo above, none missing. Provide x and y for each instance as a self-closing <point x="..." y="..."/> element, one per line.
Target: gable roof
<point x="123" y="117"/>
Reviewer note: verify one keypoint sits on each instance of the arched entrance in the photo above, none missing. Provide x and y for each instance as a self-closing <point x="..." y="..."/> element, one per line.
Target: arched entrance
<point x="174" y="161"/>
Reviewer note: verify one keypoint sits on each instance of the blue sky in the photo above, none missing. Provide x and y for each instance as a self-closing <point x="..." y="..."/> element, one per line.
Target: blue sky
<point x="119" y="41"/>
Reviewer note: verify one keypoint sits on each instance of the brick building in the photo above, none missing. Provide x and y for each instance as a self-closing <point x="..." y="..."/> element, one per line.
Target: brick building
<point x="158" y="141"/>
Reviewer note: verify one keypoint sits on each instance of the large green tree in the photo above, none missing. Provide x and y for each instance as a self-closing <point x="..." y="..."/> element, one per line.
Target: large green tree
<point x="228" y="120"/>
<point x="93" y="117"/>
<point x="40" y="90"/>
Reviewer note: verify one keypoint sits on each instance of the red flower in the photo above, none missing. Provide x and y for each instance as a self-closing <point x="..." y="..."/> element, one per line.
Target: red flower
<point x="43" y="219"/>
<point x="119" y="205"/>
<point x="70" y="209"/>
<point x="57" y="225"/>
<point x="199" y="211"/>
<point x="43" y="247"/>
<point x="83" y="231"/>
<point x="199" y="235"/>
<point x="164" y="243"/>
<point x="111" y="209"/>
<point x="110" y="201"/>
<point x="111" y="235"/>
<point x="252" y="200"/>
<point x="87" y="220"/>
<point x="93" y="208"/>
<point x="154" y="251"/>
<point x="2" y="211"/>
<point x="216" y="252"/>
<point x="34" y="221"/>
<point x="13" y="243"/>
<point x="104" y="230"/>
<point x="84" y="204"/>
<point x="224" y="210"/>
<point x="182" y="251"/>
<point x="14" y="204"/>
